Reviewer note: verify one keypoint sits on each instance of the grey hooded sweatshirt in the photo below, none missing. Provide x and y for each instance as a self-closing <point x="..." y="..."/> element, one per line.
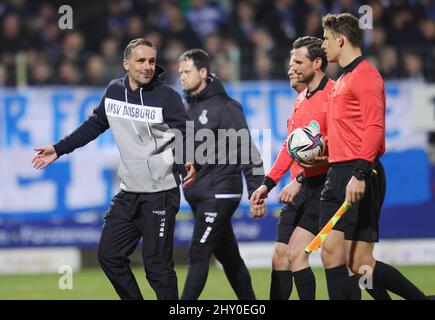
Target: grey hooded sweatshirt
<point x="141" y="121"/>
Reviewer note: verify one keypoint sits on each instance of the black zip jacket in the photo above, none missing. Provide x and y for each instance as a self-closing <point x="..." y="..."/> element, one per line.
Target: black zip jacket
<point x="213" y="109"/>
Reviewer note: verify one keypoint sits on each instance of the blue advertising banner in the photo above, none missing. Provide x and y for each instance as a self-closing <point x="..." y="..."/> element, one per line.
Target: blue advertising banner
<point x="64" y="204"/>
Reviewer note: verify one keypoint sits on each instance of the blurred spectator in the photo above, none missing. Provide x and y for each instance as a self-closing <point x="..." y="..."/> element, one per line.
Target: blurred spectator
<point x="279" y="18"/>
<point x="413" y="66"/>
<point x="205" y="17"/>
<point x="378" y="11"/>
<point x="68" y="74"/>
<point x="72" y="48"/>
<point x="176" y="27"/>
<point x="143" y="8"/>
<point x="427" y="28"/>
<point x="221" y="66"/>
<point x="379" y="17"/>
<point x="263" y="67"/>
<point x="95" y="75"/>
<point x="112" y="58"/>
<point x="232" y="51"/>
<point x="116" y="19"/>
<point x="40" y="74"/>
<point x="389" y="63"/>
<point x="403" y="30"/>
<point x="23" y="8"/>
<point x="135" y="29"/>
<point x="318" y="6"/>
<point x="265" y="45"/>
<point x="313" y="25"/>
<point x="377" y="40"/>
<point x="3" y="76"/>
<point x="242" y="23"/>
<point x="350" y="6"/>
<point x="173" y="51"/>
<point x="426" y="9"/>
<point x="13" y="40"/>
<point x="224" y="56"/>
<point x="213" y="44"/>
<point x="34" y="56"/>
<point x="241" y="28"/>
<point x="155" y="37"/>
<point x="50" y="41"/>
<point x="46" y="14"/>
<point x="13" y="35"/>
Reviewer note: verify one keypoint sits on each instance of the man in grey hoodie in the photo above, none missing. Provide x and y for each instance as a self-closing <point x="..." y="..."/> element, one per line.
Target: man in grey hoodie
<point x="144" y="115"/>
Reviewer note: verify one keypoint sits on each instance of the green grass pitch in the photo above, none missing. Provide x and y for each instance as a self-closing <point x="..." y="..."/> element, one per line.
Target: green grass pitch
<point x="92" y="284"/>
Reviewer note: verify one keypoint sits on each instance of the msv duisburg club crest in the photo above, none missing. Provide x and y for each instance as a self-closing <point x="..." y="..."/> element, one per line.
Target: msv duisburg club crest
<point x="203" y="117"/>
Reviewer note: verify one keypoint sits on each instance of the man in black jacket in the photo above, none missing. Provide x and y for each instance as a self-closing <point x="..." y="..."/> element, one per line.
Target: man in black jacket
<point x="218" y="190"/>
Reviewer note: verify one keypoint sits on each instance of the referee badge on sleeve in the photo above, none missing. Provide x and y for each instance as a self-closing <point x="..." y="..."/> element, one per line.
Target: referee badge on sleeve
<point x="314" y="124"/>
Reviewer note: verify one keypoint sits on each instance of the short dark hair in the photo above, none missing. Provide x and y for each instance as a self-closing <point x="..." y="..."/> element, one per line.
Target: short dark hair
<point x="345" y="24"/>
<point x="200" y="58"/>
<point x="134" y="43"/>
<point x="314" y="48"/>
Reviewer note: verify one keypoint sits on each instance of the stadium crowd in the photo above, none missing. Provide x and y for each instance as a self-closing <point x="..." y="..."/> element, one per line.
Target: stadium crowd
<point x="247" y="39"/>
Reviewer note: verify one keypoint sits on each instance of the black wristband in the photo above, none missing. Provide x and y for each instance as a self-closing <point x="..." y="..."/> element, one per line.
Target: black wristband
<point x="362" y="169"/>
<point x="363" y="165"/>
<point x="359" y="174"/>
<point x="269" y="183"/>
<point x="300" y="178"/>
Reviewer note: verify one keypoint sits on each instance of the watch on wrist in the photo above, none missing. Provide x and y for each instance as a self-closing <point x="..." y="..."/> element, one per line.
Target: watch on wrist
<point x="359" y="174"/>
<point x="300" y="178"/>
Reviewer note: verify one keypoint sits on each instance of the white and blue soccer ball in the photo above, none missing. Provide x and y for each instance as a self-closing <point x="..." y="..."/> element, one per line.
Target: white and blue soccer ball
<point x="304" y="144"/>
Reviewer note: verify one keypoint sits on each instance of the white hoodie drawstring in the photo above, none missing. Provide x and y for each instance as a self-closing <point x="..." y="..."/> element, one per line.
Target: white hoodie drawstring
<point x="148" y="124"/>
<point x="131" y="121"/>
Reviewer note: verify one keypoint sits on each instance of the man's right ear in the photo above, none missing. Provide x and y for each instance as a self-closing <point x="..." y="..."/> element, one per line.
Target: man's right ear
<point x="125" y="64"/>
<point x="203" y="73"/>
<point x="341" y="40"/>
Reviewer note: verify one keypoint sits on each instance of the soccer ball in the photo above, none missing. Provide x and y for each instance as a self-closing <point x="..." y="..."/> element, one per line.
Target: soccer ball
<point x="304" y="144"/>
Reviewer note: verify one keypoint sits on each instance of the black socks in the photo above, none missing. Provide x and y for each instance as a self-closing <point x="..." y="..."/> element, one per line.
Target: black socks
<point x="281" y="285"/>
<point x="305" y="284"/>
<point x="392" y="280"/>
<point x="339" y="283"/>
<point x="354" y="284"/>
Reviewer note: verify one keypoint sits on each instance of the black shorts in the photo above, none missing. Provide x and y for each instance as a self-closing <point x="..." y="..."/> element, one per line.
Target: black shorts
<point x="303" y="211"/>
<point x="360" y="222"/>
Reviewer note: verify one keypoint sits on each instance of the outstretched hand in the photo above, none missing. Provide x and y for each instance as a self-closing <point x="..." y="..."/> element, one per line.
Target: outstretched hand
<point x="259" y="195"/>
<point x="45" y="156"/>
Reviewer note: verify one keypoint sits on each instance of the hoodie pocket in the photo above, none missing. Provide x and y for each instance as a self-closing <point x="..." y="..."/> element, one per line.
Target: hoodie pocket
<point x="136" y="174"/>
<point x="160" y="165"/>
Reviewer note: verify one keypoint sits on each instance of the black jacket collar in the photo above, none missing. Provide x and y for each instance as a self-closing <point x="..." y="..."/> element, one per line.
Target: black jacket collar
<point x="214" y="87"/>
